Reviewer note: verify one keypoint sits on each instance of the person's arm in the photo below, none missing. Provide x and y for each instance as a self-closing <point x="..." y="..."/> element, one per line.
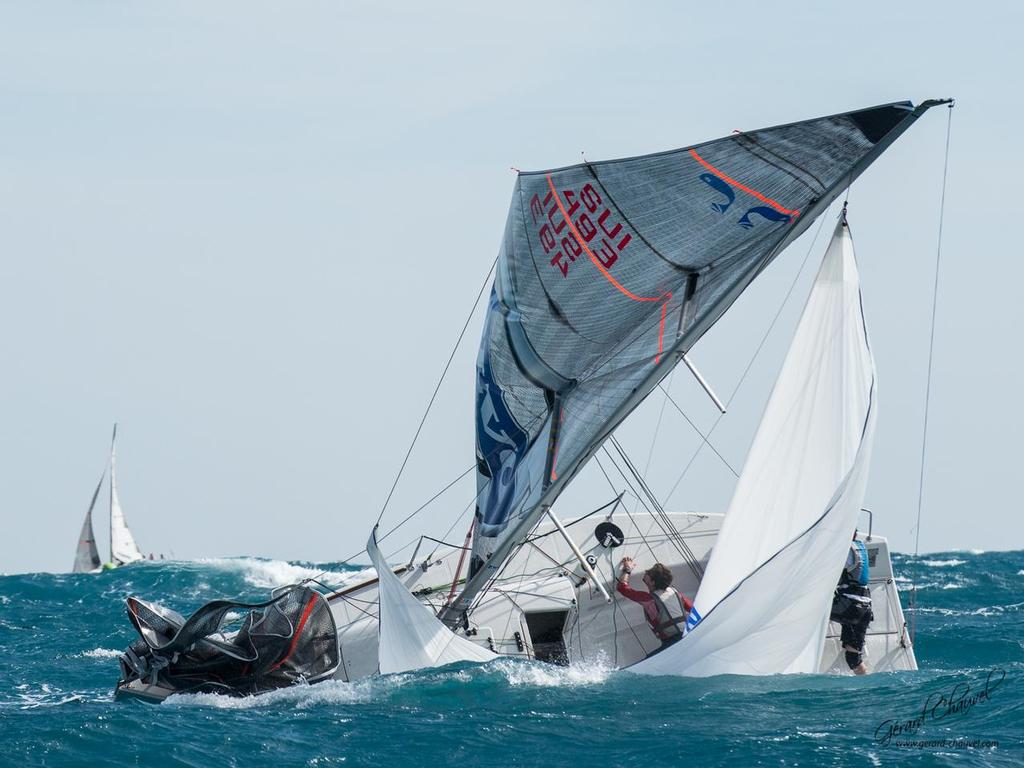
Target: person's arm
<point x="623" y="588"/>
<point x="626" y="567"/>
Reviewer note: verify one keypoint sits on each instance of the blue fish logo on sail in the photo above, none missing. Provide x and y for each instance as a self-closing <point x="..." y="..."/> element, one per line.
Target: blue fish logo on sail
<point x="719" y="186"/>
<point x="764" y="212"/>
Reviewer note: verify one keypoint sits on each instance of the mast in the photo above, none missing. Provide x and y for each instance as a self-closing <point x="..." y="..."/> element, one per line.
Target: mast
<point x="113" y="495"/>
<point x="876" y="130"/>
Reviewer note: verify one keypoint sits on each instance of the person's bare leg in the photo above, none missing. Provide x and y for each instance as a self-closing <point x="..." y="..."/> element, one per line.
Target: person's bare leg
<point x="860" y="669"/>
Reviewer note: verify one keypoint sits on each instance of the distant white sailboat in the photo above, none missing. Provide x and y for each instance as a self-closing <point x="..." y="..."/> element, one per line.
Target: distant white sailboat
<point x="123" y="548"/>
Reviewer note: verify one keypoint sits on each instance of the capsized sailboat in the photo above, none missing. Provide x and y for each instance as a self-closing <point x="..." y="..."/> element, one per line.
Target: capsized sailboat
<point x="608" y="274"/>
<point x="764" y="575"/>
<point x="123" y="548"/>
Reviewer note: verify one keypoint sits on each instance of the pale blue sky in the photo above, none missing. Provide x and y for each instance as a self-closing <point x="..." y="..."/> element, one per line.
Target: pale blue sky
<point x="250" y="232"/>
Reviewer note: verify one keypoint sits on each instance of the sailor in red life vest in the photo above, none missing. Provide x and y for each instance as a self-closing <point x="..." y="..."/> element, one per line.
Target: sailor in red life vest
<point x="665" y="608"/>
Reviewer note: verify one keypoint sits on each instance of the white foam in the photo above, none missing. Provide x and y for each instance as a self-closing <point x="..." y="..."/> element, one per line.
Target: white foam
<point x="1020" y="573"/>
<point x="987" y="611"/>
<point x="45" y="696"/>
<point x="952" y="586"/>
<point x="267" y="574"/>
<point x="334" y="692"/>
<point x="299" y="696"/>
<point x="942" y="563"/>
<point x="550" y="676"/>
<point x="98" y="653"/>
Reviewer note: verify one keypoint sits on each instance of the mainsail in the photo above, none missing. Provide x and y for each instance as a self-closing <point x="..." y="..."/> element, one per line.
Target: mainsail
<point x="123" y="548"/>
<point x="411" y="637"/>
<point x="762" y="603"/>
<point x="87" y="556"/>
<point x="609" y="271"/>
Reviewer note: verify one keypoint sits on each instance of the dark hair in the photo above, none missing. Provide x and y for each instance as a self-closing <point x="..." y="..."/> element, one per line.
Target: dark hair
<point x="661" y="576"/>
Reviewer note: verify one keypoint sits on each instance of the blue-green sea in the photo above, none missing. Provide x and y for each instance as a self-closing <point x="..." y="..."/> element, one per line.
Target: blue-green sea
<point x="60" y="635"/>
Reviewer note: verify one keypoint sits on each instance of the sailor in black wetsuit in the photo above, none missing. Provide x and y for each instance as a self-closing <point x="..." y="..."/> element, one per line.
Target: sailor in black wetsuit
<point x="851" y="606"/>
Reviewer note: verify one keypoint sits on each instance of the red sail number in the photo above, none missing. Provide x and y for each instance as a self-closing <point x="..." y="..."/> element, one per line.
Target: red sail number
<point x="595" y="227"/>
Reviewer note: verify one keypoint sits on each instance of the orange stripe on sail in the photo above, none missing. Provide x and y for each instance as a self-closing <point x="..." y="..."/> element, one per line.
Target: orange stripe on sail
<point x="661" y="332"/>
<point x="777" y="206"/>
<point x="590" y="253"/>
<point x="665" y="297"/>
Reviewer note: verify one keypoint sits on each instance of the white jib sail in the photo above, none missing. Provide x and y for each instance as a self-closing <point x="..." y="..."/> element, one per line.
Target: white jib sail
<point x="762" y="606"/>
<point x="123" y="548"/>
<point x="411" y="636"/>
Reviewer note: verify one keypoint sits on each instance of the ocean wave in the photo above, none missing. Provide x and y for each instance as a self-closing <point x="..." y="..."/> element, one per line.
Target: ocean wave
<point x="45" y="695"/>
<point x="943" y="563"/>
<point x="268" y="574"/>
<point x="538" y="674"/>
<point x="329" y="692"/>
<point x="514" y="672"/>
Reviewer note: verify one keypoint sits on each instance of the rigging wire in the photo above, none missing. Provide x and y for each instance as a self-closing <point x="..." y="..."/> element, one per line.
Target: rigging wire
<point x="433" y="397"/>
<point x="697" y="430"/>
<point x="928" y="382"/>
<point x="412" y="514"/>
<point x="658" y="516"/>
<point x="757" y="351"/>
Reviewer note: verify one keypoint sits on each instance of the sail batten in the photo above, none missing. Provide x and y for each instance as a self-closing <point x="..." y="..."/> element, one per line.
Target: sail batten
<point x="609" y="271"/>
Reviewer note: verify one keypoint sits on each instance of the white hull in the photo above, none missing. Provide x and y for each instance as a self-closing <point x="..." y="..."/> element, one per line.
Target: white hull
<point x="542" y="608"/>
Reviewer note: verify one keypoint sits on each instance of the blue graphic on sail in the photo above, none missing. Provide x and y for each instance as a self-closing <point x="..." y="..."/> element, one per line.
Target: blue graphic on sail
<point x="504" y="481"/>
<point x="693" y="619"/>
<point x="719" y="186"/>
<point x="764" y="212"/>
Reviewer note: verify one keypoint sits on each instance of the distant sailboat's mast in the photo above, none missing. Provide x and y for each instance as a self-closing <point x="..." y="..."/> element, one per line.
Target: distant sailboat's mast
<point x="113" y="483"/>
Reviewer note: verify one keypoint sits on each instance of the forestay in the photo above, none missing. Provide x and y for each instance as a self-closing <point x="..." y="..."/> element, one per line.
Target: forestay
<point x="764" y="600"/>
<point x="123" y="548"/>
<point x="411" y="637"/>
<point x="609" y="271"/>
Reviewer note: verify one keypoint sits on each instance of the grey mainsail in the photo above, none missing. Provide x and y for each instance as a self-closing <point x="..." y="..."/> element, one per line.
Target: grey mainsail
<point x="609" y="271"/>
<point x="87" y="556"/>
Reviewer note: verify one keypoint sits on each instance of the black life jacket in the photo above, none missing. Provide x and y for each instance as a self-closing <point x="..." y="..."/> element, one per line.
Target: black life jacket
<point x="853" y="583"/>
